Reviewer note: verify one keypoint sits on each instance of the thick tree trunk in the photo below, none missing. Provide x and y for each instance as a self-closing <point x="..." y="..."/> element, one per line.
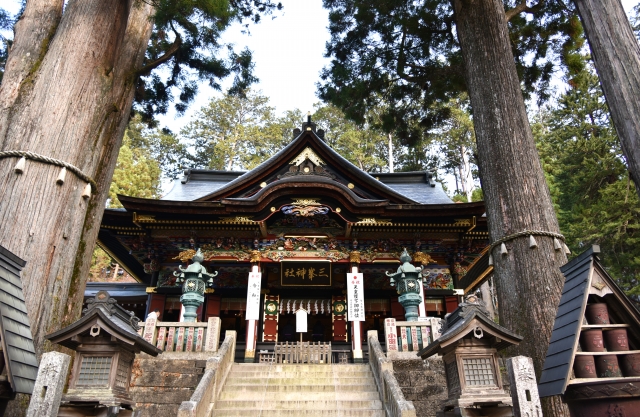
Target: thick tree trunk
<point x="617" y="57"/>
<point x="71" y="104"/>
<point x="528" y="281"/>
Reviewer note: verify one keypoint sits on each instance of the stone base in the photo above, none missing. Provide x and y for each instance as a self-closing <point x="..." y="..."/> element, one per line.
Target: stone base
<point x="422" y="382"/>
<point x="395" y="355"/>
<point x="158" y="385"/>
<point x="202" y="356"/>
<point x="92" y="410"/>
<point x="477" y="412"/>
<point x="489" y="398"/>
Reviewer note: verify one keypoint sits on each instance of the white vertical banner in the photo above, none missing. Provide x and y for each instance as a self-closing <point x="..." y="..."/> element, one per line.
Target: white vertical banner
<point x="301" y="321"/>
<point x="253" y="296"/>
<point x="355" y="297"/>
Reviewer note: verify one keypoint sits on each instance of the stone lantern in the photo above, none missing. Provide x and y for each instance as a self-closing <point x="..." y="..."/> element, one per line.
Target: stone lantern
<point x="193" y="278"/>
<point x="407" y="280"/>
<point x="106" y="340"/>
<point x="469" y="344"/>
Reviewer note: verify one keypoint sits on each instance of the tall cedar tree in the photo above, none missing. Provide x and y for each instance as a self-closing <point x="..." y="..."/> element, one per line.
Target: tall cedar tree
<point x="66" y="93"/>
<point x="528" y="281"/>
<point x="407" y="51"/>
<point x="616" y="54"/>
<point x="590" y="184"/>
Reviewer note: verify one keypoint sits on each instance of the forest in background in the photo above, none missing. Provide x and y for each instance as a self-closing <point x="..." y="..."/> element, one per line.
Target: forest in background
<point x="581" y="155"/>
<point x="590" y="185"/>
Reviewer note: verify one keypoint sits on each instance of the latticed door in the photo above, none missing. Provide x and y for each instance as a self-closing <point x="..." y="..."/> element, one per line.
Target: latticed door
<point x="270" y="318"/>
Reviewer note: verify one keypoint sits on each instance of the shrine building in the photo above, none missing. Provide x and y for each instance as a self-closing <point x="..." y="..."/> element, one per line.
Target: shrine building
<point x="304" y="219"/>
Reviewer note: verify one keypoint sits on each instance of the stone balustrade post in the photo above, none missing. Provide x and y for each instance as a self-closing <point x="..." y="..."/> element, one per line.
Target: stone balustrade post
<point x="524" y="389"/>
<point x="47" y="392"/>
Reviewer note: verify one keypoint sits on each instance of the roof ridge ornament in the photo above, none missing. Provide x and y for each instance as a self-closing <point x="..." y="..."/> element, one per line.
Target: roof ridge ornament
<point x="309" y="154"/>
<point x="103" y="301"/>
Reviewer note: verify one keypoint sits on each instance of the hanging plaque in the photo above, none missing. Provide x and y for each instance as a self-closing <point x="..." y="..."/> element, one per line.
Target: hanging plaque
<point x="305" y="273"/>
<point x="253" y="296"/>
<point x="355" y="297"/>
<point x="301" y="321"/>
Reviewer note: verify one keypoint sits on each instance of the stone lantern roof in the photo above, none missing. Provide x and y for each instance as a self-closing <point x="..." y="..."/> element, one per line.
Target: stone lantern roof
<point x="470" y="318"/>
<point x="104" y="311"/>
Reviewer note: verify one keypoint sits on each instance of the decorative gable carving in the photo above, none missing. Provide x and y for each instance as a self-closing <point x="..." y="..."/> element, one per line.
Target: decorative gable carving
<point x="309" y="154"/>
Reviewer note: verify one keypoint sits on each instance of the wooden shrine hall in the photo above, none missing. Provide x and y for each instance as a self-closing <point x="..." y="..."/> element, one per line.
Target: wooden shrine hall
<point x="304" y="219"/>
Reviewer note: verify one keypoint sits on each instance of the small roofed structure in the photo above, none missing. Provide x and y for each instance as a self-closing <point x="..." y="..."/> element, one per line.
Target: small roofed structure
<point x="106" y="340"/>
<point x="593" y="359"/>
<point x="468" y="345"/>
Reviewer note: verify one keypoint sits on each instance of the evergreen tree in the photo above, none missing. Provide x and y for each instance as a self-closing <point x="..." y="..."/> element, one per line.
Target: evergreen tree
<point x="6" y="23"/>
<point x="406" y="56"/>
<point x="407" y="52"/>
<point x="453" y="144"/>
<point x="160" y="145"/>
<point x="136" y="174"/>
<point x="232" y="133"/>
<point x="616" y="57"/>
<point x="69" y="82"/>
<point x="362" y="144"/>
<point x="589" y="180"/>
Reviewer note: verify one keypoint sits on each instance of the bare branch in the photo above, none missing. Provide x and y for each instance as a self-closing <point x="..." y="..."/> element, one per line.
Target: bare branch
<point x="522" y="7"/>
<point x="173" y="48"/>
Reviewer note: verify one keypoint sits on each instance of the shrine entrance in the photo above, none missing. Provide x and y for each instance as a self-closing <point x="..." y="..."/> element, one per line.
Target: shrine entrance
<point x="325" y="320"/>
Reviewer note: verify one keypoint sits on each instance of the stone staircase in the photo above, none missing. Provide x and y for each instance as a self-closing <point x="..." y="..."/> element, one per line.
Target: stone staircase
<point x="159" y="385"/>
<point x="274" y="390"/>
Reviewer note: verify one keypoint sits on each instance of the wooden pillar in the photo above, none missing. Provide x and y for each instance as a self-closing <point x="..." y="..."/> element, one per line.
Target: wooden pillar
<point x="356" y="330"/>
<point x="155" y="302"/>
<point x="252" y="323"/>
<point x="422" y="311"/>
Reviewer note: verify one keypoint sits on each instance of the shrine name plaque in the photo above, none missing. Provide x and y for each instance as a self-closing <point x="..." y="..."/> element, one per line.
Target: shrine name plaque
<point x="305" y="273"/>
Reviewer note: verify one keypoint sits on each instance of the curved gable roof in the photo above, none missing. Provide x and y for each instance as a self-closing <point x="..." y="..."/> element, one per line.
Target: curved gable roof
<point x="308" y="138"/>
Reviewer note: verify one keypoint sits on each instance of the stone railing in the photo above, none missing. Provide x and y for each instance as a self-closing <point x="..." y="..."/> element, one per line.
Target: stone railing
<point x="182" y="336"/>
<point x="410" y="336"/>
<point x="208" y="390"/>
<point x="392" y="399"/>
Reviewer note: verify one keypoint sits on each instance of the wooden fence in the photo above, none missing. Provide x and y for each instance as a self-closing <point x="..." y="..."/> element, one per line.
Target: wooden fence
<point x="303" y="352"/>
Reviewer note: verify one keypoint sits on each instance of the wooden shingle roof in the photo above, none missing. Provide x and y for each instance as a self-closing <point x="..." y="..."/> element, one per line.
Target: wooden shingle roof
<point x="15" y="332"/>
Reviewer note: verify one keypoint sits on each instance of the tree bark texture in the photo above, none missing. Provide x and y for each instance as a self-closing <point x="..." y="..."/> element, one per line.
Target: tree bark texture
<point x="528" y="281"/>
<point x="71" y="102"/>
<point x="616" y="54"/>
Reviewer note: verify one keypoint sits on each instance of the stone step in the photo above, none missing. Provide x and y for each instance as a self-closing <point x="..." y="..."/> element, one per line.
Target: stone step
<point x="301" y="367"/>
<point x="297" y="375"/>
<point x="301" y="388"/>
<point x="266" y="380"/>
<point x="269" y="404"/>
<point x="280" y="390"/>
<point x="299" y="413"/>
<point x="294" y="395"/>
